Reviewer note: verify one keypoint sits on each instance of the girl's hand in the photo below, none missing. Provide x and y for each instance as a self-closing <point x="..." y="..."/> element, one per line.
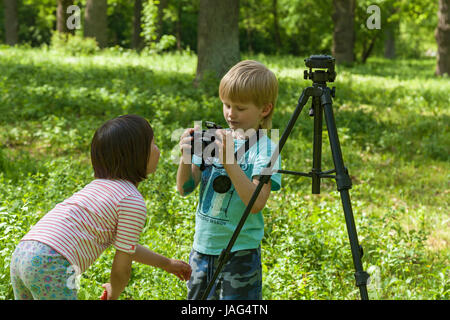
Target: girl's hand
<point x="107" y="290"/>
<point x="179" y="268"/>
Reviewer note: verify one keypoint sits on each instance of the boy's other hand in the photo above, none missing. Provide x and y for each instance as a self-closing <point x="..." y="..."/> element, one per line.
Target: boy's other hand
<point x="185" y="144"/>
<point x="180" y="269"/>
<point x="225" y="144"/>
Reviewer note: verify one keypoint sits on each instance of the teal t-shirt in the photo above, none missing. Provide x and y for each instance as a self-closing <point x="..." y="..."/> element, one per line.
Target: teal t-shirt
<point x="218" y="214"/>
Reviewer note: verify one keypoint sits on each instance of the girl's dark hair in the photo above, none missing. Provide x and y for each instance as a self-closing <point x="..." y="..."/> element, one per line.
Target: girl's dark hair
<point x="120" y="149"/>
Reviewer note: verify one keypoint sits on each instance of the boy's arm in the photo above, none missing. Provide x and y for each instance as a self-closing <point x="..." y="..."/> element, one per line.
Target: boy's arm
<point x="188" y="174"/>
<point x="188" y="178"/>
<point x="245" y="188"/>
<point x="243" y="185"/>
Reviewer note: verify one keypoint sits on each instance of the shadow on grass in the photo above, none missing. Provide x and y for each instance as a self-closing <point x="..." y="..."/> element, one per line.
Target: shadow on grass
<point x="35" y="91"/>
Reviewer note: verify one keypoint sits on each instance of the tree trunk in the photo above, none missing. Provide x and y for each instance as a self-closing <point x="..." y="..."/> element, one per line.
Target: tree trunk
<point x="96" y="25"/>
<point x="62" y="16"/>
<point x="442" y="35"/>
<point x="137" y="42"/>
<point x="178" y="25"/>
<point x="248" y="29"/>
<point x="389" y="43"/>
<point x="390" y="34"/>
<point x="368" y="50"/>
<point x="161" y="6"/>
<point x="344" y="31"/>
<point x="11" y="22"/>
<point x="218" y="37"/>
<point x="276" y="28"/>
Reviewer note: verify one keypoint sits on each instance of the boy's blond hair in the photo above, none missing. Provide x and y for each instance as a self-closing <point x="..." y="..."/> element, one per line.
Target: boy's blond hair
<point x="250" y="81"/>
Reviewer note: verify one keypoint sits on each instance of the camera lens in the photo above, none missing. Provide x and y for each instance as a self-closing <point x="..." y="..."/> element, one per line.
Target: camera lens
<point x="222" y="184"/>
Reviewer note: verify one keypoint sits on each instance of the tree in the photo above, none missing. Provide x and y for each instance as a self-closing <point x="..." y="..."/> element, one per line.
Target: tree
<point x="276" y="28"/>
<point x="344" y="31"/>
<point x="137" y="42"/>
<point x="95" y="21"/>
<point x="218" y="37"/>
<point x="160" y="26"/>
<point x="442" y="35"/>
<point x="11" y="22"/>
<point x="62" y="16"/>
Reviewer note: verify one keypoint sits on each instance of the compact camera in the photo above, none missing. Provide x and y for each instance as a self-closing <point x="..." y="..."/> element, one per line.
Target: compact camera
<point x="204" y="138"/>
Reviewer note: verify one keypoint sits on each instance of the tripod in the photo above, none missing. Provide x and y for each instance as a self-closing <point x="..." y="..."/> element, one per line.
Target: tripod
<point x="321" y="104"/>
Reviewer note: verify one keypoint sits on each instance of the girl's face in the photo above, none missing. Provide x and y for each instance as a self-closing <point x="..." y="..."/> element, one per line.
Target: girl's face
<point x="154" y="157"/>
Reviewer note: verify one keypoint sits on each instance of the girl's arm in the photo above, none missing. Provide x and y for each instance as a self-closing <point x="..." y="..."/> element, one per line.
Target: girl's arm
<point x="177" y="267"/>
<point x="121" y="268"/>
<point x="120" y="275"/>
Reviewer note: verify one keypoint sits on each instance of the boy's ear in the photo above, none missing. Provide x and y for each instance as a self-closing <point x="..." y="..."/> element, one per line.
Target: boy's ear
<point x="267" y="109"/>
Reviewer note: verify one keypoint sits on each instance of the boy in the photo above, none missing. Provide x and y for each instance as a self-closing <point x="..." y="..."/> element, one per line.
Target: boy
<point x="248" y="92"/>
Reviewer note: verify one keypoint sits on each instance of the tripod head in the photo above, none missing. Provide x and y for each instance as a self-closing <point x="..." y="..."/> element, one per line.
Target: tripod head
<point x="320" y="62"/>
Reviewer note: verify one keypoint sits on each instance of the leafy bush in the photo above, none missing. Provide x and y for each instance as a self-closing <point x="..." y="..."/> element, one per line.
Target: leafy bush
<point x="74" y="45"/>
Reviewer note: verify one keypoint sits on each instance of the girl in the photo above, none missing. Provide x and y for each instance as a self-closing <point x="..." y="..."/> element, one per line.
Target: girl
<point x="108" y="211"/>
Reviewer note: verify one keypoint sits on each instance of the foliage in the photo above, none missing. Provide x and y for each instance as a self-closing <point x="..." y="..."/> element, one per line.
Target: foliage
<point x="73" y="44"/>
<point x="149" y="29"/>
<point x="392" y="119"/>
<point x="411" y="22"/>
<point x="149" y="20"/>
<point x="305" y="26"/>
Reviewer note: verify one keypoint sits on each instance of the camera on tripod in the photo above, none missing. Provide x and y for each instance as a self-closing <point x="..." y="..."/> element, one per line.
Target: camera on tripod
<point x="203" y="139"/>
<point x="320" y="62"/>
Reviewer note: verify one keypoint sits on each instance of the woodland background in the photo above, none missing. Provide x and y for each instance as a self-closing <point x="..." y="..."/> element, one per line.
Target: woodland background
<point x="163" y="60"/>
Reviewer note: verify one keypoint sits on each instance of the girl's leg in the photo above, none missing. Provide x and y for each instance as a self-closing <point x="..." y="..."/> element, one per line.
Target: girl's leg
<point x="21" y="292"/>
<point x="46" y="273"/>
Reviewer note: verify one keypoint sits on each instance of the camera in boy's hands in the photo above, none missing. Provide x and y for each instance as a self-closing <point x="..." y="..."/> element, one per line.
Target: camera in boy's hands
<point x="203" y="139"/>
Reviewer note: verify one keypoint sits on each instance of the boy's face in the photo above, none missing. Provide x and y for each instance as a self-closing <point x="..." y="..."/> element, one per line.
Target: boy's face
<point x="244" y="115"/>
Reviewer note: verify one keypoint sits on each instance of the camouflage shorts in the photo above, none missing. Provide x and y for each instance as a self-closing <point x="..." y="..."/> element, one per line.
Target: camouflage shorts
<point x="240" y="278"/>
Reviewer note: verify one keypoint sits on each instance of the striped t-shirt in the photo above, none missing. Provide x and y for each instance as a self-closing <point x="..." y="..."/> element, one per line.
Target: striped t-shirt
<point x="103" y="213"/>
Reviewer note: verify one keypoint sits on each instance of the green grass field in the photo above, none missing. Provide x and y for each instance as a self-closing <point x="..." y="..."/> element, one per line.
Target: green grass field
<point x="392" y="119"/>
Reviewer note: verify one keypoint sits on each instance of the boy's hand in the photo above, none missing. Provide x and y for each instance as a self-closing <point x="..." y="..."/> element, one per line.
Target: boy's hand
<point x="180" y="269"/>
<point x="225" y="143"/>
<point x="185" y="144"/>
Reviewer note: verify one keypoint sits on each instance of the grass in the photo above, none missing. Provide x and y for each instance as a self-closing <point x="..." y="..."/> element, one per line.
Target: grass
<point x="392" y="119"/>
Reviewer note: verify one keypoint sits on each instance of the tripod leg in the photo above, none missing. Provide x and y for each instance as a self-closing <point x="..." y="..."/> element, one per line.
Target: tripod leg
<point x="310" y="91"/>
<point x="343" y="185"/>
<point x="317" y="145"/>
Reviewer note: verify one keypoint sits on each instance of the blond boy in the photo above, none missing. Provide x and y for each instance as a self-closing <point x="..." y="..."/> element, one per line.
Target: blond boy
<point x="248" y="92"/>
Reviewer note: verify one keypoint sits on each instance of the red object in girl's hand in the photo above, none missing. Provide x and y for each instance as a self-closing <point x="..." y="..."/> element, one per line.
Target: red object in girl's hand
<point x="104" y="295"/>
